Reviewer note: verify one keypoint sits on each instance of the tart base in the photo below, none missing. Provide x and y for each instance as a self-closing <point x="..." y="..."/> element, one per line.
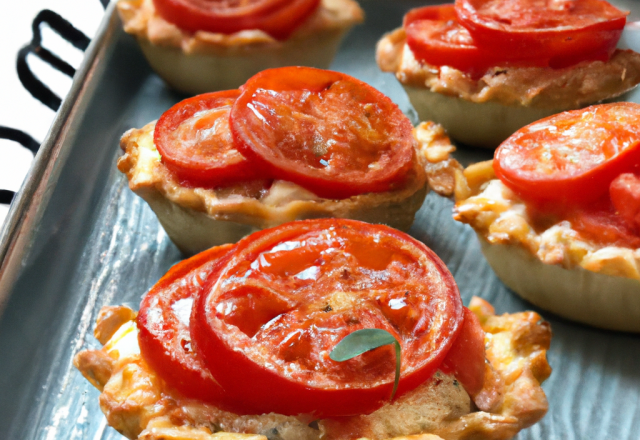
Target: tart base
<point x="193" y="231"/>
<point x="230" y="67"/>
<point x="596" y="299"/>
<point x="484" y="124"/>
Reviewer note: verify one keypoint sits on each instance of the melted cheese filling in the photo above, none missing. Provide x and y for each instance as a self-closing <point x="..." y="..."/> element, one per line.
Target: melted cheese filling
<point x="501" y="217"/>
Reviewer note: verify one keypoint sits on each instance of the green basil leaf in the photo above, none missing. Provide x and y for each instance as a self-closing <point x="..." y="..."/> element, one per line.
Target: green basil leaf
<point x="367" y="339"/>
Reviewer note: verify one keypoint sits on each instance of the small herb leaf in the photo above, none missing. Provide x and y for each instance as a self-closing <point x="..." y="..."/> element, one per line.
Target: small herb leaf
<point x="367" y="339"/>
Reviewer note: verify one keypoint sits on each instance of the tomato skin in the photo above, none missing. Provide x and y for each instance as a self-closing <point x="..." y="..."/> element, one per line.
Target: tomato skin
<point x="183" y="138"/>
<point x="162" y="335"/>
<point x="572" y="157"/>
<point x="268" y="389"/>
<point x="278" y="18"/>
<point x="585" y="30"/>
<point x="350" y="139"/>
<point x="466" y="359"/>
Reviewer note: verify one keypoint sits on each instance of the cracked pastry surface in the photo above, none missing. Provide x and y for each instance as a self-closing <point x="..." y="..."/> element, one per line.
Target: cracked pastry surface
<point x="198" y="218"/>
<point x="138" y="403"/>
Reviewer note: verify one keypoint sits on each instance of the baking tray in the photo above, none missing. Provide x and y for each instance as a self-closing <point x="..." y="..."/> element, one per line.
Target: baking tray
<point x="76" y="239"/>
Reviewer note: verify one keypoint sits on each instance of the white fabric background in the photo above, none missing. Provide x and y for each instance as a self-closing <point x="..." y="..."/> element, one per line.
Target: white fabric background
<point x="18" y="109"/>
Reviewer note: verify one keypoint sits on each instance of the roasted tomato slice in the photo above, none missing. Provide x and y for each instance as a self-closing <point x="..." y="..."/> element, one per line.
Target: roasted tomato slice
<point x="163" y="321"/>
<point x="194" y="141"/>
<point x="572" y="157"/>
<point x="566" y="31"/>
<point x="466" y="359"/>
<point x="324" y="130"/>
<point x="435" y="37"/>
<point x="279" y="18"/>
<point x="268" y="322"/>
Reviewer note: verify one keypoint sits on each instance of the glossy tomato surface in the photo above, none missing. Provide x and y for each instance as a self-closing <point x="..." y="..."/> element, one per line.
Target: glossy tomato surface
<point x="278" y="18"/>
<point x="571" y="158"/>
<point x="565" y="32"/>
<point x="435" y="36"/>
<point x="194" y="141"/>
<point x="163" y="323"/>
<point x="323" y="130"/>
<point x="268" y="321"/>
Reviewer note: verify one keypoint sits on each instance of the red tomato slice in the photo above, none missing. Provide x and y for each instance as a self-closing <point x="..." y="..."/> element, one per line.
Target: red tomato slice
<point x="572" y="157"/>
<point x="163" y="323"/>
<point x="324" y="130"/>
<point x="268" y="322"/>
<point x="435" y="36"/>
<point x="466" y="358"/>
<point x="279" y="18"/>
<point x="565" y="31"/>
<point x="625" y="197"/>
<point x="194" y="141"/>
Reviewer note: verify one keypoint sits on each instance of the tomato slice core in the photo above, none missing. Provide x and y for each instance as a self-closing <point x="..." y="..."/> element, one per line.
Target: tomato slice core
<point x="194" y="140"/>
<point x="268" y="321"/>
<point x="324" y="130"/>
<point x="163" y="323"/>
<point x="279" y="18"/>
<point x="571" y="158"/>
<point x="565" y="31"/>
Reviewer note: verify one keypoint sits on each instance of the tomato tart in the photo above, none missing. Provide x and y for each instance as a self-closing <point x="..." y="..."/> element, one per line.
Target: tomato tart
<point x="238" y="342"/>
<point x="292" y="143"/>
<point x="556" y="214"/>
<point x="204" y="46"/>
<point x="485" y="68"/>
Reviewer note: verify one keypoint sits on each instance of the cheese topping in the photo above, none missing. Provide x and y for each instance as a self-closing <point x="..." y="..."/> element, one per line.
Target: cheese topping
<point x="500" y="216"/>
<point x="571" y="87"/>
<point x="141" y="19"/>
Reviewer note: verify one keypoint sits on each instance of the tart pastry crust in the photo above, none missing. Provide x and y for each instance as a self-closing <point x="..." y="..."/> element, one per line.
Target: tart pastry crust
<point x="485" y="111"/>
<point x="198" y="218"/>
<point x="138" y="404"/>
<point x="555" y="269"/>
<point x="204" y="61"/>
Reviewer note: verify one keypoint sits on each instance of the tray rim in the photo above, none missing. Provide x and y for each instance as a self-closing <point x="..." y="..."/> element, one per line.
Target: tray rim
<point x="34" y="194"/>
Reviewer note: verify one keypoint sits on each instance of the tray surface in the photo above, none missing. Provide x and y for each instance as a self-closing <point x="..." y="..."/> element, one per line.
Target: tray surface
<point x="87" y="241"/>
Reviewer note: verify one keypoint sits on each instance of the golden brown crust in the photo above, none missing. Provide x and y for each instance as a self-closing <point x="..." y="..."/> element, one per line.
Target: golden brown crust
<point x="139" y="405"/>
<point x="499" y="216"/>
<point x="198" y="218"/>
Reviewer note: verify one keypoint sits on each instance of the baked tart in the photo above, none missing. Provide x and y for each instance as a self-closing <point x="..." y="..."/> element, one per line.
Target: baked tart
<point x="199" y="47"/>
<point x="556" y="214"/>
<point x="292" y="144"/>
<point x="483" y="69"/>
<point x="240" y="342"/>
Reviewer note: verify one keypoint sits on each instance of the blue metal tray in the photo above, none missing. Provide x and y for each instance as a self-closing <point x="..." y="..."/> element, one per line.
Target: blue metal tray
<point x="77" y="239"/>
